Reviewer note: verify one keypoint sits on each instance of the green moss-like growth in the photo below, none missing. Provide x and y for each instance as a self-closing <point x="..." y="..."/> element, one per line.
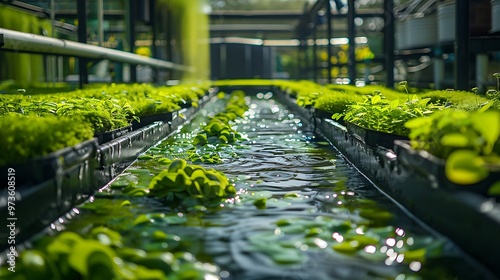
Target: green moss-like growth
<point x="25" y="137"/>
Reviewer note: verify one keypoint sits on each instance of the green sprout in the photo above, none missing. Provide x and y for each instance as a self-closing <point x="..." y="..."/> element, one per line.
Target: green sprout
<point x="497" y="76"/>
<point x="404" y="84"/>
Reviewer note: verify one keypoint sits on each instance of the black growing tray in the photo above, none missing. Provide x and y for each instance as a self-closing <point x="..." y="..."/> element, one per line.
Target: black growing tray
<point x="47" y="187"/>
<point x="103" y="137"/>
<point x="434" y="168"/>
<point x="372" y="137"/>
<point x="147" y="120"/>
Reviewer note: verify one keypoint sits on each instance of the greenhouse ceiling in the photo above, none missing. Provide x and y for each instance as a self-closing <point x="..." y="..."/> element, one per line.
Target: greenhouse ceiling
<point x="259" y="19"/>
<point x="279" y="19"/>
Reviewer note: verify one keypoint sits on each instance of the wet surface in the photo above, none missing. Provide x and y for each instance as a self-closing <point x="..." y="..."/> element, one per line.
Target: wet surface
<point x="302" y="212"/>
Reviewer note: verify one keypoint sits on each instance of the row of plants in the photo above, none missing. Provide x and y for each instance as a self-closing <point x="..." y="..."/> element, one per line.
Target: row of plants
<point x="458" y="127"/>
<point x="125" y="242"/>
<point x="95" y="109"/>
<point x="461" y="128"/>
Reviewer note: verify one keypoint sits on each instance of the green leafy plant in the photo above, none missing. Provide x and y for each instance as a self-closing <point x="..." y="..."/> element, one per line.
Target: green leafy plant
<point x="469" y="141"/>
<point x="218" y="129"/>
<point x="388" y="116"/>
<point x="191" y="184"/>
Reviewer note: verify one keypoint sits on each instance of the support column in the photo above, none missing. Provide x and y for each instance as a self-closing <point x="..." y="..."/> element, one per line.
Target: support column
<point x="315" y="56"/>
<point x="438" y="72"/>
<point x="462" y="45"/>
<point x="351" y="34"/>
<point x="81" y="7"/>
<point x="329" y="36"/>
<point x="154" y="50"/>
<point x="389" y="42"/>
<point x="306" y="60"/>
<point x="481" y="71"/>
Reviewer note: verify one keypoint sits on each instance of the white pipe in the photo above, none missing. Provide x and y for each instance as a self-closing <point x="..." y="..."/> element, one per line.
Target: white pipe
<point x="27" y="42"/>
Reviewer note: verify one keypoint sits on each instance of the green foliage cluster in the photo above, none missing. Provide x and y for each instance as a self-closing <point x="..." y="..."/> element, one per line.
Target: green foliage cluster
<point x="102" y="115"/>
<point x="469" y="141"/>
<point x="336" y="101"/>
<point x="107" y="107"/>
<point x="388" y="116"/>
<point x="369" y="90"/>
<point x="149" y="100"/>
<point x="101" y="254"/>
<point x="24" y="137"/>
<point x="462" y="100"/>
<point x="101" y="109"/>
<point x="192" y="184"/>
<point x="218" y="128"/>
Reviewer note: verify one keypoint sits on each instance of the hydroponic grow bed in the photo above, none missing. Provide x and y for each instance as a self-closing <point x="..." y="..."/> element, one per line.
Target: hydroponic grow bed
<point x="300" y="211"/>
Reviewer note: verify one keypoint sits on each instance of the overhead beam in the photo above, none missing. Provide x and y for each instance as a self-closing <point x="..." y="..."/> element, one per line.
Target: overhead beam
<point x="251" y="27"/>
<point x="255" y="15"/>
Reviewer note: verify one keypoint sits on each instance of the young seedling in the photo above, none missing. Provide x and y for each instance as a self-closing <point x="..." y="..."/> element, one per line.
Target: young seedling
<point x="497" y="76"/>
<point x="491" y="93"/>
<point x="404" y="84"/>
<point x="475" y="90"/>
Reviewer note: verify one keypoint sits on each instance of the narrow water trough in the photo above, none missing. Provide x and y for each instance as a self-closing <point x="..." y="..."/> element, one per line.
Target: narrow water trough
<point x="301" y="211"/>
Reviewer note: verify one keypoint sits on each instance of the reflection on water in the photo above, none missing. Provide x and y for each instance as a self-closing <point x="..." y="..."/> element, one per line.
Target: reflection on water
<point x="301" y="212"/>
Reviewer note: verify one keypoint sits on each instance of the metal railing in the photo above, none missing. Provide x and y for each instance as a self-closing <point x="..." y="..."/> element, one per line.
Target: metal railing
<point x="32" y="43"/>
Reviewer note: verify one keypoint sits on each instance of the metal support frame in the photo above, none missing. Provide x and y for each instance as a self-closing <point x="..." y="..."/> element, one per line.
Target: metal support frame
<point x="154" y="51"/>
<point x="314" y="56"/>
<point x="81" y="7"/>
<point x="1" y="40"/>
<point x="329" y="35"/>
<point x="130" y="22"/>
<point x="351" y="34"/>
<point x="307" y="63"/>
<point x="462" y="45"/>
<point x="389" y="42"/>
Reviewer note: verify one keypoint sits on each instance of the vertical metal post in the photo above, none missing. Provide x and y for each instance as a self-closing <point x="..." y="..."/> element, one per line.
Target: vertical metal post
<point x="481" y="71"/>
<point x="299" y="61"/>
<point x="314" y="56"/>
<point x="462" y="45"/>
<point x="329" y="36"/>
<point x="52" y="58"/>
<point x="169" y="42"/>
<point x="307" y="62"/>
<point x="100" y="21"/>
<point x="389" y="42"/>
<point x="154" y="28"/>
<point x="83" y="73"/>
<point x="438" y="72"/>
<point x="351" y="34"/>
<point x="130" y="23"/>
